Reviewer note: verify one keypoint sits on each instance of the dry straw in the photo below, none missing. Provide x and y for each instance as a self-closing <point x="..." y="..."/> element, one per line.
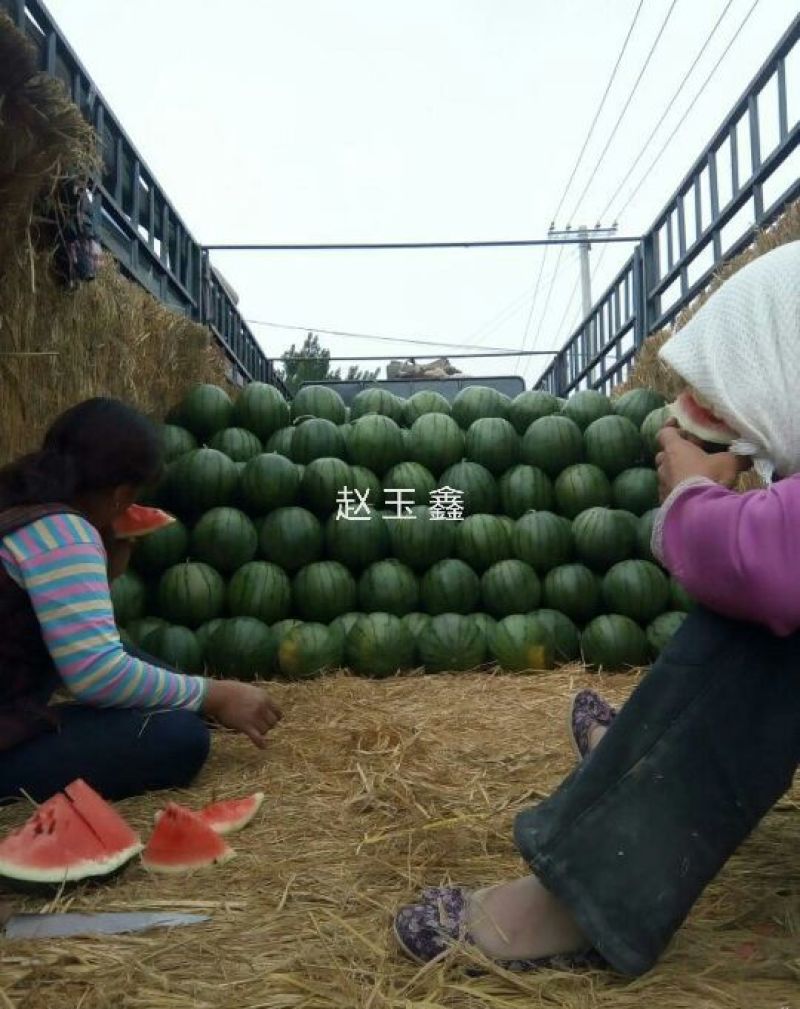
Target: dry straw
<point x="56" y="346"/>
<point x="375" y="788"/>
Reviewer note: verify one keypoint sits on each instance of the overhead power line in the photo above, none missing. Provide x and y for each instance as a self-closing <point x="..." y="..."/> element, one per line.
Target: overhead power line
<point x="424" y="357"/>
<point x="383" y="246"/>
<point x="685" y="115"/>
<point x="625" y="107"/>
<point x="666" y="111"/>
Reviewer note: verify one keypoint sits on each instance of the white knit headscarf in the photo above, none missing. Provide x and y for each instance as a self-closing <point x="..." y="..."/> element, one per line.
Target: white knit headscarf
<point x="741" y="352"/>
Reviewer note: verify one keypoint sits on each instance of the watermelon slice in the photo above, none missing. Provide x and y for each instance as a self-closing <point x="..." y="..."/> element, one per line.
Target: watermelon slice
<point x="64" y="841"/>
<point x="138" y="521"/>
<point x="696" y="417"/>
<point x="229" y="815"/>
<point x="183" y="841"/>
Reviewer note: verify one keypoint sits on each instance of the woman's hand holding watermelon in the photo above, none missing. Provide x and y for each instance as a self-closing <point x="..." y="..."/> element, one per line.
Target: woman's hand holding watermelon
<point x="243" y="708"/>
<point x="681" y="459"/>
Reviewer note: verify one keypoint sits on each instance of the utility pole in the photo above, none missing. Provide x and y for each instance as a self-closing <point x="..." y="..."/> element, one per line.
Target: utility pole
<point x="585" y="235"/>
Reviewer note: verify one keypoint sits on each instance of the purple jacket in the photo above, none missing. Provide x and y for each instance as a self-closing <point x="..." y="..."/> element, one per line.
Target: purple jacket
<point x="736" y="554"/>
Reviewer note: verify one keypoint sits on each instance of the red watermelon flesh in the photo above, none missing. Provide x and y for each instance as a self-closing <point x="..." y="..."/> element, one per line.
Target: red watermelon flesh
<point x="139" y="520"/>
<point x="109" y="827"/>
<point x="58" y="845"/>
<point x="230" y="815"/>
<point x="183" y="841"/>
<point x="696" y="418"/>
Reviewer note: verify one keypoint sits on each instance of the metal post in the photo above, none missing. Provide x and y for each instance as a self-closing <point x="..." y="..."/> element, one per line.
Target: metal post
<point x="586" y="277"/>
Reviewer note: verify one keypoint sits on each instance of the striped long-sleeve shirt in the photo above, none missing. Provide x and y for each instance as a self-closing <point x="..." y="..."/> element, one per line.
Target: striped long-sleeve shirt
<point x="60" y="561"/>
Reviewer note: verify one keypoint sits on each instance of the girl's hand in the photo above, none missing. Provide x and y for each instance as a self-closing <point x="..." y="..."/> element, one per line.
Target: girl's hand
<point x="681" y="459"/>
<point x="242" y="707"/>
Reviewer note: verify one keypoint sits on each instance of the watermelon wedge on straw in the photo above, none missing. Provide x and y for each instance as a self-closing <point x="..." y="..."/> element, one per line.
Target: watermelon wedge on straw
<point x="229" y="815"/>
<point x="139" y="520"/>
<point x="70" y="837"/>
<point x="696" y="418"/>
<point x="182" y="841"/>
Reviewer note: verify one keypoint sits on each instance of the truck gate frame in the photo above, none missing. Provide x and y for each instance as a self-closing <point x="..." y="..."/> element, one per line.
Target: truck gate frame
<point x="680" y="253"/>
<point x="133" y="217"/>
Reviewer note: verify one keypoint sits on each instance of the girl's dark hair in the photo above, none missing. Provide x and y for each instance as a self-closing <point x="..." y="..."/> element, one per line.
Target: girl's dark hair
<point x="94" y="446"/>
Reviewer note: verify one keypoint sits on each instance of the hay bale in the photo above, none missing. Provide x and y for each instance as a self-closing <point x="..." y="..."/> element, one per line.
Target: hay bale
<point x="110" y="337"/>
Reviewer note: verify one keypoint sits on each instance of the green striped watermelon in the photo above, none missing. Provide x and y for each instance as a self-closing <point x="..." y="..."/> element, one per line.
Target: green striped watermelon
<point x="319" y="401"/>
<point x="565" y="635"/>
<point x="525" y="488"/>
<point x="308" y="650"/>
<point x="261" y="590"/>
<point x="531" y="405"/>
<point x="481" y="541"/>
<point x="603" y="538"/>
<point x="242" y="648"/>
<point x="316" y="438"/>
<point x="493" y="443"/>
<point x="613" y="444"/>
<point x="581" y="487"/>
<point x="342" y="625"/>
<point x="485" y="623"/>
<point x="411" y="477"/>
<point x="389" y="587"/>
<point x="420" y="541"/>
<point x="636" y="490"/>
<point x="510" y="587"/>
<point x="206" y="631"/>
<point x="139" y="629"/>
<point x="376" y="442"/>
<point x="177" y="441"/>
<point x="379" y="401"/>
<point x="236" y="443"/>
<point x="161" y="549"/>
<point x="324" y="484"/>
<point x="190" y="594"/>
<point x="644" y="535"/>
<point x="476" y="402"/>
<point x="450" y="586"/>
<point x="421" y="403"/>
<point x="520" y="643"/>
<point x="269" y="481"/>
<point x="552" y="444"/>
<point x="614" y="643"/>
<point x="416" y="623"/>
<point x="323" y="591"/>
<point x="177" y="647"/>
<point x="543" y="540"/>
<point x="129" y="598"/>
<point x="651" y="428"/>
<point x="225" y="538"/>
<point x="291" y="538"/>
<point x="437" y="442"/>
<point x="679" y="597"/>
<point x="202" y="480"/>
<point x="366" y="483"/>
<point x="379" y="645"/>
<point x="281" y="442"/>
<point x="586" y="406"/>
<point x="357" y="542"/>
<point x="451" y="642"/>
<point x="261" y="408"/>
<point x="636" y="589"/>
<point x="637" y="405"/>
<point x="573" y="590"/>
<point x="280" y="631"/>
<point x="205" y="410"/>
<point x="663" y="629"/>
<point x="477" y="486"/>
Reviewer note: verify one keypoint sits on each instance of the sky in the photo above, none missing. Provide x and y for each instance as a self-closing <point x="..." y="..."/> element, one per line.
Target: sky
<point x="421" y="120"/>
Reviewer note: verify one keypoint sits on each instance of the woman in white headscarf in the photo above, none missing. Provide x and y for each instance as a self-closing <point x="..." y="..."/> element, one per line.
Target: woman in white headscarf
<point x="710" y="739"/>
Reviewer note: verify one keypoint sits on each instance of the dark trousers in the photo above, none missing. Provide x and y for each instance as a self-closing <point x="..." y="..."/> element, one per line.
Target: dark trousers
<point x="705" y="746"/>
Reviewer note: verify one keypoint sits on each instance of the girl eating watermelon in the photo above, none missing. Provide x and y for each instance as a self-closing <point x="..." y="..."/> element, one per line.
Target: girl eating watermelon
<point x="710" y="739"/>
<point x="134" y="725"/>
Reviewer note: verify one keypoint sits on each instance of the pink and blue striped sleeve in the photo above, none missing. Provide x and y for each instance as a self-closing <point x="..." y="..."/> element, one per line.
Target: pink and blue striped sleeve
<point x="737" y="554"/>
<point x="61" y="563"/>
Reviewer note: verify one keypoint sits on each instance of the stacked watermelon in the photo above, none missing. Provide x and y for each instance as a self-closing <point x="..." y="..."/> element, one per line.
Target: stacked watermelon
<point x="521" y="536"/>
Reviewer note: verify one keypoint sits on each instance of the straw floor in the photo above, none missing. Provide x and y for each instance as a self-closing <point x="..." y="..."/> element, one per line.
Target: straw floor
<point x="374" y="788"/>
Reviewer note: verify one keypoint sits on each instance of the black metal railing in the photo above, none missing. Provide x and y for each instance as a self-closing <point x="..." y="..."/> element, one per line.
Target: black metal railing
<point x="746" y="176"/>
<point x="134" y="218"/>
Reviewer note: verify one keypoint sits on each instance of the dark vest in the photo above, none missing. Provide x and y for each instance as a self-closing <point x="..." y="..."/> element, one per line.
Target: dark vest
<point x="28" y="676"/>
